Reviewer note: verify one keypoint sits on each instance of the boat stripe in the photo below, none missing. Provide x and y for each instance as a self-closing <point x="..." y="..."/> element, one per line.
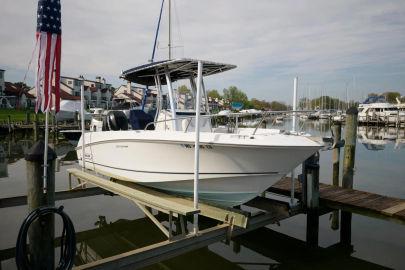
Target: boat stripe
<point x="213" y="144"/>
<point x="183" y="173"/>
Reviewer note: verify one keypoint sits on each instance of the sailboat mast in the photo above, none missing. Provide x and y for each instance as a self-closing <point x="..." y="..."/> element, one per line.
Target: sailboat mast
<point x="170" y="30"/>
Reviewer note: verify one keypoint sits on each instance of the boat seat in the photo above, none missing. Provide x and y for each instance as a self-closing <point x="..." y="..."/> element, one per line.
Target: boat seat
<point x="139" y="119"/>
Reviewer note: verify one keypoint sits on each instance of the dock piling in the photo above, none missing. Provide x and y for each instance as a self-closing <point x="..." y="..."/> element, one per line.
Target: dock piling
<point x="348" y="171"/>
<point x="337" y="133"/>
<point x="27" y="118"/>
<point x="311" y="190"/>
<point x="42" y="232"/>
<point x="9" y="123"/>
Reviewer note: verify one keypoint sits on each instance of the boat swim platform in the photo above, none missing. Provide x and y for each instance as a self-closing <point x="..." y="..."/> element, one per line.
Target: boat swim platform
<point x="350" y="200"/>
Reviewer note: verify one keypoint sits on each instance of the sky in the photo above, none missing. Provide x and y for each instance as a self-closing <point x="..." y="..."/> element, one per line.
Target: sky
<point x="330" y="45"/>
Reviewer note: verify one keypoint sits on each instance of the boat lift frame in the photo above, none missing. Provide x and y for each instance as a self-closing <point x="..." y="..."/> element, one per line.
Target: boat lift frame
<point x="179" y="207"/>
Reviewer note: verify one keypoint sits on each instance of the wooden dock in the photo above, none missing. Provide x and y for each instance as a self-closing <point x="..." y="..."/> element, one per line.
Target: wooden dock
<point x="351" y="200"/>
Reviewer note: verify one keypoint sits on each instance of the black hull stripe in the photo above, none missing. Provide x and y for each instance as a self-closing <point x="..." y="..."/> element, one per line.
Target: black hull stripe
<point x="79" y="147"/>
<point x="183" y="173"/>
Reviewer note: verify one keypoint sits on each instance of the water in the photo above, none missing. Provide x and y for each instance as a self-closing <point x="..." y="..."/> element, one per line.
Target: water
<point x="111" y="225"/>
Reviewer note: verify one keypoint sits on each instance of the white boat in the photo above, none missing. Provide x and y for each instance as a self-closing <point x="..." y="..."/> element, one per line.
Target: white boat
<point x="303" y="116"/>
<point x="69" y="109"/>
<point x="339" y="117"/>
<point x="325" y="114"/>
<point x="96" y="124"/>
<point x="234" y="167"/>
<point x="314" y="116"/>
<point x="224" y="112"/>
<point x="377" y="109"/>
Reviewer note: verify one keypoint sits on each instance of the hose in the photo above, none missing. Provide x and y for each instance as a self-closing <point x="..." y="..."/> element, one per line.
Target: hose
<point x="67" y="240"/>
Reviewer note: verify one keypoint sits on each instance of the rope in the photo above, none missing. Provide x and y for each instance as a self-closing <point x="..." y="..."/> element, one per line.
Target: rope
<point x="67" y="242"/>
<point x="30" y="62"/>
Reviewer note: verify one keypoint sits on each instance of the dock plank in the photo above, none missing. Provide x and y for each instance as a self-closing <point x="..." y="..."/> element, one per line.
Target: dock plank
<point x="394" y="209"/>
<point x="356" y="201"/>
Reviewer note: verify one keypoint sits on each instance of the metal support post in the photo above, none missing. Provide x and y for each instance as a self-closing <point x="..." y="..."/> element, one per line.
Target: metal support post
<point x="197" y="143"/>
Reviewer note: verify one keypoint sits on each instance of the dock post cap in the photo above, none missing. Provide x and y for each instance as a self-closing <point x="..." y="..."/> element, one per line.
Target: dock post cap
<point x="352" y="111"/>
<point x="36" y="152"/>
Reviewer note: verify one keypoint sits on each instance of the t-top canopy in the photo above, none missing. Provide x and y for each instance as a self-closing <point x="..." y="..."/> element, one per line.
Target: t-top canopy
<point x="178" y="68"/>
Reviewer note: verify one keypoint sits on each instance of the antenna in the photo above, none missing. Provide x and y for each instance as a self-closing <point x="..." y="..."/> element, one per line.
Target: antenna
<point x="157" y="32"/>
<point x="170" y="30"/>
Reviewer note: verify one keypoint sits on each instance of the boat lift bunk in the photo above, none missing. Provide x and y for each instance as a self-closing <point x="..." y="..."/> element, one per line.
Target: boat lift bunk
<point x="147" y="199"/>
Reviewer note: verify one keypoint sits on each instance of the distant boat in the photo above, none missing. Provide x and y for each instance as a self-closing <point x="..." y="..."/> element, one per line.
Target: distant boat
<point x="224" y="112"/>
<point x="314" y="116"/>
<point x="377" y="109"/>
<point x="69" y="109"/>
<point x="303" y="116"/>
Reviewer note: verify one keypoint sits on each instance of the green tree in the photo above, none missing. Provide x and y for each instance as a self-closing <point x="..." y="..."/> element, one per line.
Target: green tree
<point x="392" y="96"/>
<point x="213" y="94"/>
<point x="260" y="104"/>
<point x="278" y="106"/>
<point x="22" y="86"/>
<point x="233" y="94"/>
<point x="182" y="90"/>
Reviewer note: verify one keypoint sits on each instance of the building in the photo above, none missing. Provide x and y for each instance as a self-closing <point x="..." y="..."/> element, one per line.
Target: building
<point x="131" y="96"/>
<point x="2" y="86"/>
<point x="97" y="93"/>
<point x="16" y="95"/>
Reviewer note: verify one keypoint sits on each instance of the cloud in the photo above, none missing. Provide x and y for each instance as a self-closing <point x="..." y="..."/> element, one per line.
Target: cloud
<point x="326" y="43"/>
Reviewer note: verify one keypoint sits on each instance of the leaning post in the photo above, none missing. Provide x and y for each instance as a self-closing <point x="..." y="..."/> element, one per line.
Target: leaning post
<point x="348" y="171"/>
<point x="42" y="232"/>
<point x="311" y="189"/>
<point x="337" y="134"/>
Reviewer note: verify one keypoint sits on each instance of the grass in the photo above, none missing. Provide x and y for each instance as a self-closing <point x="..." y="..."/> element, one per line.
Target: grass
<point x="18" y="115"/>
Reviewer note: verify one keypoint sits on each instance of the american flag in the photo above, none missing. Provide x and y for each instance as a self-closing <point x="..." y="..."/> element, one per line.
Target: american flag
<point x="49" y="38"/>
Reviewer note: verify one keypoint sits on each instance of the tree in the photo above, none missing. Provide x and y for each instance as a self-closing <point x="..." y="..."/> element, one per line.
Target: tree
<point x="214" y="94"/>
<point x="259" y="104"/>
<point x="233" y="94"/>
<point x="182" y="90"/>
<point x="278" y="106"/>
<point x="22" y="86"/>
<point x="391" y="97"/>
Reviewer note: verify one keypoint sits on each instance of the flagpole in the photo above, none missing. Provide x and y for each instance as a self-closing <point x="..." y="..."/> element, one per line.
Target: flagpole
<point x="82" y="124"/>
<point x="45" y="175"/>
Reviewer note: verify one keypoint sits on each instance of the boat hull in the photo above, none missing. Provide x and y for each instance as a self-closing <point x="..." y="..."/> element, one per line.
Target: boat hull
<point x="229" y="174"/>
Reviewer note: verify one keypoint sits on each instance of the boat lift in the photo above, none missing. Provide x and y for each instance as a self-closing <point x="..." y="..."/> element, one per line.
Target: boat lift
<point x="232" y="220"/>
